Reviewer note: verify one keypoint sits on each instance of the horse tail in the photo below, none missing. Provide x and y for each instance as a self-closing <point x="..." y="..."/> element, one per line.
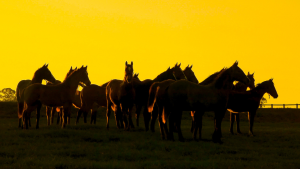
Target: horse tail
<point x="152" y="96"/>
<point x="165" y="114"/>
<point x="20" y="109"/>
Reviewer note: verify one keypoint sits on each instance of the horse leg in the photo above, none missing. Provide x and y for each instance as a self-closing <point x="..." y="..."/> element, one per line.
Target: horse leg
<point x="20" y="111"/>
<point x="200" y="116"/>
<point x="154" y="115"/>
<point x="162" y="126"/>
<point x="217" y="135"/>
<point x="147" y="116"/>
<point x="137" y="114"/>
<point x="195" y="124"/>
<point x="193" y="121"/>
<point x="171" y="127"/>
<point x="85" y="113"/>
<point x="108" y="110"/>
<point x="65" y="116"/>
<point x="178" y="125"/>
<point x="231" y="122"/>
<point x="131" y="125"/>
<point x="48" y="112"/>
<point x="237" y="119"/>
<point x="94" y="116"/>
<point x="54" y="109"/>
<point x="38" y="112"/>
<point x="59" y="116"/>
<point x="78" y="115"/>
<point x="251" y="115"/>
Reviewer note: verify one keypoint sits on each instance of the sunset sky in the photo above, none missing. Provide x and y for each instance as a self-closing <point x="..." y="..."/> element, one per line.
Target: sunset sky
<point x="264" y="36"/>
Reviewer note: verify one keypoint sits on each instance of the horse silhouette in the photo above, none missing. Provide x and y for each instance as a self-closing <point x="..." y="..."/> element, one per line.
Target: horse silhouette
<point x="39" y="75"/>
<point x="248" y="101"/>
<point x="55" y="95"/>
<point x="183" y="95"/>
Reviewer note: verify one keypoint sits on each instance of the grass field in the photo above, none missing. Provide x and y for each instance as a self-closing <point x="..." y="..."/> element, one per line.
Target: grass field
<point x="276" y="144"/>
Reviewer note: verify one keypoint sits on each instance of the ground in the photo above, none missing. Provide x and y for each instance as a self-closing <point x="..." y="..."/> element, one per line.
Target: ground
<point x="275" y="145"/>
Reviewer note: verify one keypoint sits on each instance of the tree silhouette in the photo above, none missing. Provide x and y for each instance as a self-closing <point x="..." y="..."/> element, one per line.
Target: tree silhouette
<point x="8" y="95"/>
<point x="263" y="101"/>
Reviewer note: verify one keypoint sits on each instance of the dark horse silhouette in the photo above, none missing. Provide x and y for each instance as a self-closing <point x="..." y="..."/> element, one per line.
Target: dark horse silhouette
<point x="92" y="97"/>
<point x="240" y="87"/>
<point x="142" y="93"/>
<point x="237" y="87"/>
<point x="156" y="97"/>
<point x="248" y="101"/>
<point x="183" y="95"/>
<point x="120" y="97"/>
<point x="56" y="95"/>
<point x="50" y="111"/>
<point x="39" y="75"/>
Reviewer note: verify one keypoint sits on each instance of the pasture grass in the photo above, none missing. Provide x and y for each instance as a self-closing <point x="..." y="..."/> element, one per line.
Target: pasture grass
<point x="275" y="145"/>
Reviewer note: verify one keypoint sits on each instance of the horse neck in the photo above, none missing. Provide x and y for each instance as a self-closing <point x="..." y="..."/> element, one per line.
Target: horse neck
<point x="163" y="76"/>
<point x="36" y="79"/>
<point x="259" y="90"/>
<point x="72" y="82"/>
<point x="210" y="79"/>
<point x="240" y="87"/>
<point x="224" y="81"/>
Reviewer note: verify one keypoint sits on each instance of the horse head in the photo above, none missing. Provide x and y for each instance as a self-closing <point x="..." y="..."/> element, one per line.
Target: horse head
<point x="190" y="75"/>
<point x="44" y="73"/>
<point x="237" y="74"/>
<point x="128" y="72"/>
<point x="83" y="75"/>
<point x="251" y="80"/>
<point x="178" y="73"/>
<point x="271" y="88"/>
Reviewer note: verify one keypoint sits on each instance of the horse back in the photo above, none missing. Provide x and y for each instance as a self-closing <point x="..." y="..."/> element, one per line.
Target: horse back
<point x="243" y="101"/>
<point x="20" y="89"/>
<point x="187" y="96"/>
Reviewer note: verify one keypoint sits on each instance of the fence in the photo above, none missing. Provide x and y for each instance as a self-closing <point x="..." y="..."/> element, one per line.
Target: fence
<point x="279" y="106"/>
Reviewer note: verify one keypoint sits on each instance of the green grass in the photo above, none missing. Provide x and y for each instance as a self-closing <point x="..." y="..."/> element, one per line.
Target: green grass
<point x="275" y="145"/>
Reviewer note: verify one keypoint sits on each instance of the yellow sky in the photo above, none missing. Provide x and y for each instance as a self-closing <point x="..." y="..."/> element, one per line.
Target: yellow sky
<point x="264" y="36"/>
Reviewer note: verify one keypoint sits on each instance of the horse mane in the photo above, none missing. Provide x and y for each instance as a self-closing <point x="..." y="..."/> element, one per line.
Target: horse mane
<point x="211" y="78"/>
<point x="261" y="85"/>
<point x="164" y="74"/>
<point x="72" y="73"/>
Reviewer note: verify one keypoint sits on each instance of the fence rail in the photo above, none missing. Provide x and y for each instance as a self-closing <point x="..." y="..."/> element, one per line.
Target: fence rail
<point x="279" y="105"/>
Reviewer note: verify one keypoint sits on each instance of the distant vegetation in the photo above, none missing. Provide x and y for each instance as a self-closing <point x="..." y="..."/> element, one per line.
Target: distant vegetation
<point x="8" y="95"/>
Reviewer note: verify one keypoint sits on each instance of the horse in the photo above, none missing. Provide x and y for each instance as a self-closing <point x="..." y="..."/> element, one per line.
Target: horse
<point x="156" y="95"/>
<point x="56" y="95"/>
<point x="248" y="101"/>
<point x="183" y="95"/>
<point x="92" y="97"/>
<point x="50" y="111"/>
<point x="120" y="97"/>
<point x="39" y="75"/>
<point x="240" y="87"/>
<point x="142" y="93"/>
<point x="237" y="87"/>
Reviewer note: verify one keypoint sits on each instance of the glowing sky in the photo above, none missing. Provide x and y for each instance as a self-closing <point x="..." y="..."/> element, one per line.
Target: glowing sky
<point x="264" y="36"/>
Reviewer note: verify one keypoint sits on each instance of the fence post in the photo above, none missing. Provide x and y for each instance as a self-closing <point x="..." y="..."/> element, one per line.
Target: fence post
<point x="271" y="106"/>
<point x="283" y="105"/>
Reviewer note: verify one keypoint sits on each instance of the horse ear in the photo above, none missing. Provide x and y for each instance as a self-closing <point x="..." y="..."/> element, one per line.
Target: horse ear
<point x="169" y="68"/>
<point x="252" y="73"/>
<point x="191" y="66"/>
<point x="126" y="63"/>
<point x="70" y="68"/>
<point x="179" y="65"/>
<point x="248" y="73"/>
<point x="137" y="74"/>
<point x="47" y="65"/>
<point x="131" y="63"/>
